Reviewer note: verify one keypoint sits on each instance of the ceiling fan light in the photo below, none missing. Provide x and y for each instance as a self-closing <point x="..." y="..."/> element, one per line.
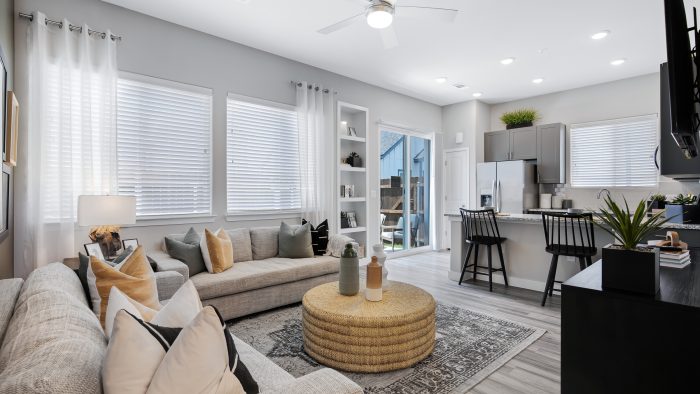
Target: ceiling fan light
<point x="380" y="16"/>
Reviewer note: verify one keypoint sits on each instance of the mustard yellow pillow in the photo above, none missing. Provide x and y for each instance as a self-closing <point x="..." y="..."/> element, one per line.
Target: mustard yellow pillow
<point x="217" y="251"/>
<point x="133" y="277"/>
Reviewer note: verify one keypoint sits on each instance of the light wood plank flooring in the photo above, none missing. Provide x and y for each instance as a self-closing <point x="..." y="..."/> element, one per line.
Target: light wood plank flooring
<point x="534" y="370"/>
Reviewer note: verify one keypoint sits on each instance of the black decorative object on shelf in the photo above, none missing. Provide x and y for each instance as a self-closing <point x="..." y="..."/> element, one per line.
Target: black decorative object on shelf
<point x="354" y="160"/>
<point x="518" y="125"/>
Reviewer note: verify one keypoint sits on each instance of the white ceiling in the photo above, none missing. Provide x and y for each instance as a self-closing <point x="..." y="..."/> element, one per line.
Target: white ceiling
<point x="550" y="39"/>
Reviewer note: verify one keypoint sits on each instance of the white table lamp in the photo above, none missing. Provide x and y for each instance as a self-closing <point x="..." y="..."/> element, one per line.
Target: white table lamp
<point x="106" y="214"/>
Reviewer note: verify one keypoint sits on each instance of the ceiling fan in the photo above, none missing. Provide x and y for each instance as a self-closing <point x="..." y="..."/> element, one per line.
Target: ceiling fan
<point x="379" y="14"/>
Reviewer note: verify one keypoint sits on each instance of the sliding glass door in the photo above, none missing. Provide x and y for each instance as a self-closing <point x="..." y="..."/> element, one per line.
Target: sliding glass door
<point x="405" y="190"/>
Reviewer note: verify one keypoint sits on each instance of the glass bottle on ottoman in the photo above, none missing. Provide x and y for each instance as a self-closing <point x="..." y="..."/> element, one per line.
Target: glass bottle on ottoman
<point x="381" y="259"/>
<point x="373" y="292"/>
<point x="349" y="278"/>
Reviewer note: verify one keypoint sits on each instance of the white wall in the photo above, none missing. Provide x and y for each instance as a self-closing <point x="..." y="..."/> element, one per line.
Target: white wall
<point x="618" y="99"/>
<point x="160" y="49"/>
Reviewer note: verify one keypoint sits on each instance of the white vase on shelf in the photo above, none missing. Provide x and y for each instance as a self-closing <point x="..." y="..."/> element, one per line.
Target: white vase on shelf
<point x="381" y="259"/>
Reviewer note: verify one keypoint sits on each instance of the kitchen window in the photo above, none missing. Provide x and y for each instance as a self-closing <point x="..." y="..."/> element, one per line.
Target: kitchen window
<point x="164" y="146"/>
<point x="262" y="151"/>
<point x="614" y="153"/>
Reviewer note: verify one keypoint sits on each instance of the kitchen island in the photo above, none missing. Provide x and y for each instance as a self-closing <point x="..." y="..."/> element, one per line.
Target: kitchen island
<point x="527" y="264"/>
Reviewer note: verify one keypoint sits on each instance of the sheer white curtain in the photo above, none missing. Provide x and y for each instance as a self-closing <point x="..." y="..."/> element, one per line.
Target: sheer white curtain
<point x="315" y="111"/>
<point x="69" y="144"/>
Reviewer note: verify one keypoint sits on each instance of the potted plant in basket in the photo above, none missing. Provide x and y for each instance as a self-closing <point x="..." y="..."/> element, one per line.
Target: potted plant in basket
<point x="683" y="209"/>
<point x="627" y="265"/>
<point x="519" y="118"/>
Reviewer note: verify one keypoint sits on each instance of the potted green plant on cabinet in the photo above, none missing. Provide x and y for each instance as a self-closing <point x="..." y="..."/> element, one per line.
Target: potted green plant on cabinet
<point x="626" y="264"/>
<point x="519" y="118"/>
<point x="657" y="201"/>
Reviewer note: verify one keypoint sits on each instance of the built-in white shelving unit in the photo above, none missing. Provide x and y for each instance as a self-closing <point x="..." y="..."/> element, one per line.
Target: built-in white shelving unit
<point x="351" y="115"/>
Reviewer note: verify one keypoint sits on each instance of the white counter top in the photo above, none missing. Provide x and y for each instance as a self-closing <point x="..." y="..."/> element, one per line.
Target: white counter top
<point x="537" y="219"/>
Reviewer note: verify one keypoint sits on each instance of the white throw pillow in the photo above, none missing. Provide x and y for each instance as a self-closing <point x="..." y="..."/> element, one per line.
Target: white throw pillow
<point x="336" y="244"/>
<point x="199" y="358"/>
<point x="177" y="312"/>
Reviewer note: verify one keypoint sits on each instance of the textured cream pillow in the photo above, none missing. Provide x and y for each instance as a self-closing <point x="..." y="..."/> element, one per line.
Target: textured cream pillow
<point x="217" y="250"/>
<point x="134" y="277"/>
<point x="199" y="358"/>
<point x="177" y="312"/>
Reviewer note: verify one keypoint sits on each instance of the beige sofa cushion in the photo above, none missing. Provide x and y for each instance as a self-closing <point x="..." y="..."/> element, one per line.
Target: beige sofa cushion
<point x="251" y="275"/>
<point x="266" y="373"/>
<point x="264" y="242"/>
<point x="240" y="238"/>
<point x="54" y="343"/>
<point x="9" y="291"/>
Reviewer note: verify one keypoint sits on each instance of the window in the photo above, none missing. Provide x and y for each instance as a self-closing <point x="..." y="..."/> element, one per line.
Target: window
<point x="262" y="148"/>
<point x="614" y="153"/>
<point x="163" y="146"/>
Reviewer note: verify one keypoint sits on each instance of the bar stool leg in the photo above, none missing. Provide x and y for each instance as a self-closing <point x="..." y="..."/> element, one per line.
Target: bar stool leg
<point x="554" y="277"/>
<point x="550" y="277"/>
<point x="503" y="264"/>
<point x="466" y="262"/>
<point x="476" y="258"/>
<point x="589" y="261"/>
<point x="490" y="269"/>
<point x="582" y="263"/>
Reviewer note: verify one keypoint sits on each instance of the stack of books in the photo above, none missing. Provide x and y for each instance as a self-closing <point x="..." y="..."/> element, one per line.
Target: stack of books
<point x="675" y="259"/>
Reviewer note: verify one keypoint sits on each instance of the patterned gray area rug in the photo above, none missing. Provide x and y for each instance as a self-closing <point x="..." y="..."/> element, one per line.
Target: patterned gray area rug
<point x="469" y="346"/>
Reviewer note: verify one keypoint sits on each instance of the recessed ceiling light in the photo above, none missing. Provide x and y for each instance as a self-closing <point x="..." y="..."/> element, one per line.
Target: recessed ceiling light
<point x="477" y="94"/>
<point x="380" y="15"/>
<point x="460" y="86"/>
<point x="538" y="80"/>
<point x="507" y="61"/>
<point x="440" y="79"/>
<point x="600" y="35"/>
<point x="617" y="62"/>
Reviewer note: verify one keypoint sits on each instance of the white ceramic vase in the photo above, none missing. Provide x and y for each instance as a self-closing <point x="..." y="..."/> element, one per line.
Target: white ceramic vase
<point x="381" y="259"/>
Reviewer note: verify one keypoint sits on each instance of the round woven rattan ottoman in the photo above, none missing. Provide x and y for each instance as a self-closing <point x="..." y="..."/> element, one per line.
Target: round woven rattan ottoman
<point x="356" y="335"/>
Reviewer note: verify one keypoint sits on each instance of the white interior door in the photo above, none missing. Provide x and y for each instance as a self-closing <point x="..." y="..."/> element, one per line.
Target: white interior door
<point x="455" y="181"/>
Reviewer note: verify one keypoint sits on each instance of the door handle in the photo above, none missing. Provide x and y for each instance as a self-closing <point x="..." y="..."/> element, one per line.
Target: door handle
<point x="498" y="200"/>
<point x="493" y="192"/>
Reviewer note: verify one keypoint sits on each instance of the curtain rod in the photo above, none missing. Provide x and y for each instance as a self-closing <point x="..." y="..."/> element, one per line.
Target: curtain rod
<point x="297" y="83"/>
<point x="71" y="27"/>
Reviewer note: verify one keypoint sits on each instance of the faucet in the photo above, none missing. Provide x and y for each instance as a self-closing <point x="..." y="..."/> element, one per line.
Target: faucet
<point x="601" y="191"/>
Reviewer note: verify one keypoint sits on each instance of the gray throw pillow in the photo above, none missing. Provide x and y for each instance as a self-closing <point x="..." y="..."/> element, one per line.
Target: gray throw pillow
<point x="187" y="251"/>
<point x="295" y="241"/>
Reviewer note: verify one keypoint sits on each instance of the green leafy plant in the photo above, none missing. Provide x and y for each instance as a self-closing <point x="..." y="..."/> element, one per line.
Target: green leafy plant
<point x="627" y="227"/>
<point x="520" y="116"/>
<point x="689" y="199"/>
<point x="658" y="198"/>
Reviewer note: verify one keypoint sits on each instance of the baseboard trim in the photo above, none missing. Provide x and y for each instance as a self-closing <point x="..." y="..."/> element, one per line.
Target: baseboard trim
<point x="497" y="278"/>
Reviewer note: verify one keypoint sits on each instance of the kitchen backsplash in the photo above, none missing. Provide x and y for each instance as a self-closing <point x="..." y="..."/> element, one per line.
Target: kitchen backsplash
<point x="586" y="198"/>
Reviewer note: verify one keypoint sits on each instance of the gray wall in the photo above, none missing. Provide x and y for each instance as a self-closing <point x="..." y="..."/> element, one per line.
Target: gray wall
<point x="618" y="99"/>
<point x="160" y="49"/>
<point x="7" y="44"/>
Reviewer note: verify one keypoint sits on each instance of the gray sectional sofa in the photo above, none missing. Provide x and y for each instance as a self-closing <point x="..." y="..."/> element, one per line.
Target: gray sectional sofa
<point x="259" y="280"/>
<point x="51" y="342"/>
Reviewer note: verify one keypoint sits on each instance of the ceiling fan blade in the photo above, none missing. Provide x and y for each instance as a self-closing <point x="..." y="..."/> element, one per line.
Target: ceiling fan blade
<point x="441" y="14"/>
<point x="342" y="24"/>
<point x="389" y="38"/>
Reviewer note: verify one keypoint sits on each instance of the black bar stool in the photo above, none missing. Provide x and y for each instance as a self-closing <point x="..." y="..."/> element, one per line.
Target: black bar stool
<point x="567" y="235"/>
<point x="480" y="228"/>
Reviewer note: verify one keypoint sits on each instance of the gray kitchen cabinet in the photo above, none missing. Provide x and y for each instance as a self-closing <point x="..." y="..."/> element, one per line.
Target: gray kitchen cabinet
<point x="551" y="153"/>
<point x="497" y="146"/>
<point x="523" y="143"/>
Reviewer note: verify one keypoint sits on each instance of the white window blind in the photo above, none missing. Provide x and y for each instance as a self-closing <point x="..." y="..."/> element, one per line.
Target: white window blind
<point x="614" y="153"/>
<point x="262" y="172"/>
<point x="163" y="146"/>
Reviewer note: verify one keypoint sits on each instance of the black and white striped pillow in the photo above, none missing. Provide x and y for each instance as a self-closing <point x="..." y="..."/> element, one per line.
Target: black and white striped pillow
<point x="319" y="237"/>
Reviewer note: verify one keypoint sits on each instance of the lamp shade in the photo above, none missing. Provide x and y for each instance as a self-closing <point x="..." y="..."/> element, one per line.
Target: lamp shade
<point x="106" y="210"/>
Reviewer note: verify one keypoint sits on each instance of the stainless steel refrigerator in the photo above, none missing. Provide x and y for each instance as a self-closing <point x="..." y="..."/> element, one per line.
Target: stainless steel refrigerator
<point x="507" y="186"/>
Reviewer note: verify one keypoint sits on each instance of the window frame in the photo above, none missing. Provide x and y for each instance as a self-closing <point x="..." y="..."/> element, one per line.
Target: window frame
<point x="252" y="215"/>
<point x="187" y="218"/>
<point x="654" y="116"/>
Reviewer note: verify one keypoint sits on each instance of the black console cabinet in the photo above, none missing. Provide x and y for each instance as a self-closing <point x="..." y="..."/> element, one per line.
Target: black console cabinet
<point x="613" y="342"/>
